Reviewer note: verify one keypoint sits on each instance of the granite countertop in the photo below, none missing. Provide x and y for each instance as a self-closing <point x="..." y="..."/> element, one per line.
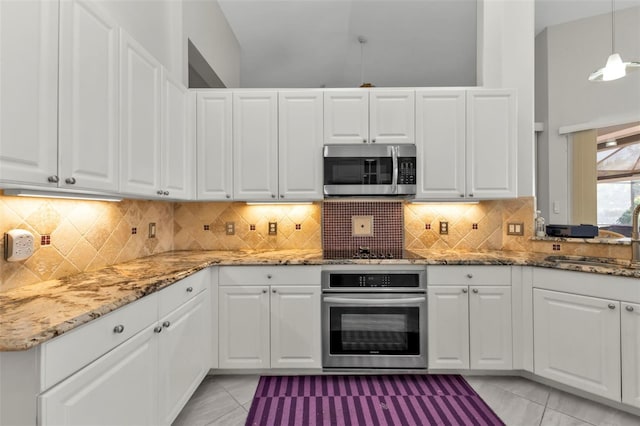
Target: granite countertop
<point x="38" y="312"/>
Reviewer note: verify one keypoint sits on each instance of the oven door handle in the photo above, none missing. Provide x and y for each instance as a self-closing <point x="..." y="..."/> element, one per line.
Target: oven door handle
<point x="349" y="301"/>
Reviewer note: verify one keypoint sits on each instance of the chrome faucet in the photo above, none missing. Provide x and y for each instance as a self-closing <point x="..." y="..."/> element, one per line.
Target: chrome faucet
<point x="635" y="239"/>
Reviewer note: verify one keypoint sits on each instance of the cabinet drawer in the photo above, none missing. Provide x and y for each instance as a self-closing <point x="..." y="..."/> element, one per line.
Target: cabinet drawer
<point x="269" y="275"/>
<point x="62" y="356"/>
<point x="182" y="291"/>
<point x="469" y="275"/>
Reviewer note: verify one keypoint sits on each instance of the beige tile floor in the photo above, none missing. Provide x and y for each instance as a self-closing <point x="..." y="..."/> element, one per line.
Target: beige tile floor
<point x="225" y="400"/>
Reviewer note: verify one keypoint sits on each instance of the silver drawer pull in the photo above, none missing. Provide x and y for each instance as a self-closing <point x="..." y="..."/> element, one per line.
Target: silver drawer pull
<point x="475" y="290"/>
<point x="464" y="290"/>
<point x="612" y="306"/>
<point x="166" y="324"/>
<point x="629" y="308"/>
<point x="469" y="276"/>
<point x="189" y="289"/>
<point x="269" y="276"/>
<point x="157" y="329"/>
<point x="118" y="328"/>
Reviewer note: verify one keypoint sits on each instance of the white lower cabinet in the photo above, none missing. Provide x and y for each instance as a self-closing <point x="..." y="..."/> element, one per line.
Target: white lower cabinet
<point x="117" y="389"/>
<point x="470" y="326"/>
<point x="577" y="341"/>
<point x="630" y="333"/>
<point x="269" y="317"/>
<point x="147" y="379"/>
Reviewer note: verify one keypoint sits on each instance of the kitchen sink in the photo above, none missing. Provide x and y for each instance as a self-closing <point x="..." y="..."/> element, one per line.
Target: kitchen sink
<point x="587" y="261"/>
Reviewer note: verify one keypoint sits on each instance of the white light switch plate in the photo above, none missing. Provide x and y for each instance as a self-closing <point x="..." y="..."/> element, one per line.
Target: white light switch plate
<point x="18" y="245"/>
<point x="362" y="226"/>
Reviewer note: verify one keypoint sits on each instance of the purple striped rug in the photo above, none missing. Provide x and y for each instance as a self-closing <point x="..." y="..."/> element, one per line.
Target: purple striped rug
<point x="368" y="400"/>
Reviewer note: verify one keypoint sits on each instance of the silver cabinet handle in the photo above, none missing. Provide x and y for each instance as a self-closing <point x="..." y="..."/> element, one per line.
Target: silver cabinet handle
<point x="464" y="290"/>
<point x="470" y="195"/>
<point x="364" y="141"/>
<point x="70" y="180"/>
<point x="269" y="276"/>
<point x="227" y="196"/>
<point x="612" y="306"/>
<point x="53" y="179"/>
<point x="273" y="291"/>
<point x="189" y="289"/>
<point x="166" y="324"/>
<point x="159" y="192"/>
<point x="475" y="290"/>
<point x="273" y="195"/>
<point x="282" y="196"/>
<point x="118" y="328"/>
<point x="165" y="193"/>
<point x="373" y="141"/>
<point x="462" y="195"/>
<point x="469" y="276"/>
<point x="629" y="308"/>
<point x="264" y="290"/>
<point x="157" y="329"/>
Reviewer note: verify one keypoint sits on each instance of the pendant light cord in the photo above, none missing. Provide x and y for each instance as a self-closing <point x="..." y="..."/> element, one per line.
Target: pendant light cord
<point x="613" y="27"/>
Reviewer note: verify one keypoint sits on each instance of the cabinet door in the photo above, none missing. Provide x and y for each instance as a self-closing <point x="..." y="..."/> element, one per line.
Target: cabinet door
<point x="243" y="331"/>
<point x="295" y="327"/>
<point x="184" y="347"/>
<point x="392" y="116"/>
<point x="88" y="116"/>
<point x="28" y="92"/>
<point x="440" y="144"/>
<point x="255" y="146"/>
<point x="346" y="116"/>
<point x="214" y="146"/>
<point x="630" y="327"/>
<point x="300" y="145"/>
<point x="178" y="143"/>
<point x="490" y="339"/>
<point x="448" y="327"/>
<point x="140" y="142"/>
<point x="577" y="341"/>
<point x="492" y="143"/>
<point x="117" y="389"/>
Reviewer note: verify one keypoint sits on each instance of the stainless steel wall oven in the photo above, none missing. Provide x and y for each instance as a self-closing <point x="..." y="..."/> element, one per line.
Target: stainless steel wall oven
<point x="374" y="317"/>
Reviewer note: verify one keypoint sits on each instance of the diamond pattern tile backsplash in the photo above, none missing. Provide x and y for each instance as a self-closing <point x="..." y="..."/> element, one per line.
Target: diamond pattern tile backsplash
<point x="76" y="236"/>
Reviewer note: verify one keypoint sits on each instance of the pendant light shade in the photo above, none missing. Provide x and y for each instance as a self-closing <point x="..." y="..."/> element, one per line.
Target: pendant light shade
<point x="615" y="67"/>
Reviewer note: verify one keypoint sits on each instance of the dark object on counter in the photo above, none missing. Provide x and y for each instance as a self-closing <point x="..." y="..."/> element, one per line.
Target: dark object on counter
<point x="572" y="231"/>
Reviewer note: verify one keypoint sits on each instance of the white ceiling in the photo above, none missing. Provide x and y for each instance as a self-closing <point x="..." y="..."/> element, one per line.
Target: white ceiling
<point x="314" y="43"/>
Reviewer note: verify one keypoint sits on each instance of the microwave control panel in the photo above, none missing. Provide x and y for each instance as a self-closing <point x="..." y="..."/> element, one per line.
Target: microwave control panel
<point x="407" y="171"/>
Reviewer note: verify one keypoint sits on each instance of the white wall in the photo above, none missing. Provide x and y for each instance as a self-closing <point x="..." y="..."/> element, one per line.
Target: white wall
<point x="205" y="24"/>
<point x="573" y="50"/>
<point x="506" y="59"/>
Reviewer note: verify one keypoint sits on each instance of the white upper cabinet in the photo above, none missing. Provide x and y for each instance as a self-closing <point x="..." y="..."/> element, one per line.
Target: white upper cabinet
<point x="178" y="140"/>
<point x="492" y="156"/>
<point x="255" y="145"/>
<point x="28" y="92"/>
<point x="140" y="112"/>
<point x="440" y="143"/>
<point x="300" y="145"/>
<point x="369" y="116"/>
<point x="88" y="115"/>
<point x="466" y="144"/>
<point x="214" y="145"/>
<point x="392" y="116"/>
<point x="346" y="116"/>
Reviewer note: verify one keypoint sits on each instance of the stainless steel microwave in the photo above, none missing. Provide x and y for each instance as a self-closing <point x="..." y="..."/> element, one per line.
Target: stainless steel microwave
<point x="370" y="170"/>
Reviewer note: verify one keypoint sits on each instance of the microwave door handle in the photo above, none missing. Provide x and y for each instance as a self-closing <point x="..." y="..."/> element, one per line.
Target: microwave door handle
<point x="349" y="301"/>
<point x="394" y="179"/>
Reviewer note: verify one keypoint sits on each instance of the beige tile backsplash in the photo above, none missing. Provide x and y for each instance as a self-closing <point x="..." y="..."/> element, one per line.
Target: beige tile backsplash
<point x="87" y="235"/>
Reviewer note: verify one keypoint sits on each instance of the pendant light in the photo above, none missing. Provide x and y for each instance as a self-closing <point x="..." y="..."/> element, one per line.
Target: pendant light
<point x="615" y="68"/>
<point x="362" y="40"/>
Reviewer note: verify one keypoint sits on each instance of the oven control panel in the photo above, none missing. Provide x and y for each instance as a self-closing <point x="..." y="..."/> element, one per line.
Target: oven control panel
<point x="410" y="280"/>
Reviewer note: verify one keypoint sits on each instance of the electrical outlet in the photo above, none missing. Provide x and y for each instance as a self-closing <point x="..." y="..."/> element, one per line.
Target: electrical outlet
<point x="362" y="226"/>
<point x="230" y="228"/>
<point x="515" y="228"/>
<point x="273" y="228"/>
<point x="152" y="230"/>
<point x="444" y="228"/>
